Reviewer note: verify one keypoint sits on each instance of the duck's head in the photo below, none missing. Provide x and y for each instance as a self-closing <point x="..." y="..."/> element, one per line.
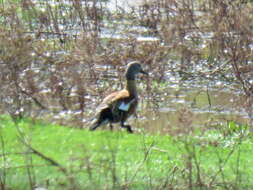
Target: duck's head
<point x="133" y="69"/>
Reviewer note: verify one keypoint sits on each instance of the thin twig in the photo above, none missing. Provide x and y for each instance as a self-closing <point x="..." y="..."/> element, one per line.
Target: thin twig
<point x="3" y="173"/>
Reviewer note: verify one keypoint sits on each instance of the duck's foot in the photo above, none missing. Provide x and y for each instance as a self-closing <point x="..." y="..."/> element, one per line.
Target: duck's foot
<point x="128" y="128"/>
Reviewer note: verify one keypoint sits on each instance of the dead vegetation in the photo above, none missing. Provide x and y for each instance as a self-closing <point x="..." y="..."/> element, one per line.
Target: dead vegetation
<point x="54" y="57"/>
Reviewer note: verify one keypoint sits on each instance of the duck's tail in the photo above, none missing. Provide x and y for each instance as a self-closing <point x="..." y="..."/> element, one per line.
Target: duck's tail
<point x="103" y="118"/>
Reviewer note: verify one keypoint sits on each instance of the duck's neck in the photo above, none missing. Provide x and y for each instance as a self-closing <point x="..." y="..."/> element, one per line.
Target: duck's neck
<point x="131" y="87"/>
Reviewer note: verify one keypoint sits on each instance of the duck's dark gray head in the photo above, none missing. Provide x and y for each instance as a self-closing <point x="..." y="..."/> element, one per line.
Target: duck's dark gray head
<point x="133" y="69"/>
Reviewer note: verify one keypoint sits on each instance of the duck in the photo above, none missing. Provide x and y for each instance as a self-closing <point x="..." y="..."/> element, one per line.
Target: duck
<point x="118" y="106"/>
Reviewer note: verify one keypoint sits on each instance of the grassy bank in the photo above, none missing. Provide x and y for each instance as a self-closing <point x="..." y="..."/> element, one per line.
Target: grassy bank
<point x="34" y="154"/>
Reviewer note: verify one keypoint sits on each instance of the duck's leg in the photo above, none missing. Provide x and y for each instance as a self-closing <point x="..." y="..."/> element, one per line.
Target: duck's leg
<point x="111" y="126"/>
<point x="128" y="127"/>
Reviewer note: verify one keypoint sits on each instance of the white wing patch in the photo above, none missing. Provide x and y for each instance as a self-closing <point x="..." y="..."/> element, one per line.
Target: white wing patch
<point x="125" y="106"/>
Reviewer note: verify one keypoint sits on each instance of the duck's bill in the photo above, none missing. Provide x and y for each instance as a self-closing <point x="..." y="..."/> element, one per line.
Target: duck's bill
<point x="143" y="72"/>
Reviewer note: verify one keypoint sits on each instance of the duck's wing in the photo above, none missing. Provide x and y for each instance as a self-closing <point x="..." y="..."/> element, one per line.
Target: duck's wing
<point x="121" y="101"/>
<point x="108" y="110"/>
<point x="113" y="99"/>
<point x="109" y="100"/>
<point x="111" y="108"/>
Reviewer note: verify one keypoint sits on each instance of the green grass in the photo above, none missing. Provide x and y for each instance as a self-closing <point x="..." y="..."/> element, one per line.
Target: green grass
<point x="117" y="160"/>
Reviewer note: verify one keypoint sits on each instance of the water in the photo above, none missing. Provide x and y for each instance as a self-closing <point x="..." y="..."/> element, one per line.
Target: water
<point x="114" y="5"/>
<point x="201" y="108"/>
